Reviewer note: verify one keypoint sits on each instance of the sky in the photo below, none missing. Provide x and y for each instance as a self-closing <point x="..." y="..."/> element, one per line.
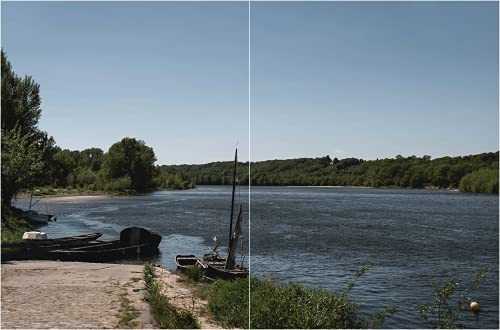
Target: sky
<point x="352" y="79"/>
<point x="174" y="75"/>
<point x="347" y="79"/>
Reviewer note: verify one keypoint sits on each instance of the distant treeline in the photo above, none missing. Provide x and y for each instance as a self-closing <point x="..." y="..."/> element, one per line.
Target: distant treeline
<point x="474" y="173"/>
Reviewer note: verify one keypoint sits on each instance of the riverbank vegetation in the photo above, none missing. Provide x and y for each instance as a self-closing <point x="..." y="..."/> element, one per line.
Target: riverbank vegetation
<point x="13" y="225"/>
<point x="283" y="306"/>
<point x="450" y="304"/>
<point x="473" y="173"/>
<point x="164" y="313"/>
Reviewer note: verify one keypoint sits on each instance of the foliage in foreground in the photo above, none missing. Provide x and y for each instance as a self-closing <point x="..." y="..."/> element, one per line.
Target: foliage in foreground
<point x="13" y="225"/>
<point x="285" y="306"/>
<point x="167" y="316"/>
<point x="446" y="310"/>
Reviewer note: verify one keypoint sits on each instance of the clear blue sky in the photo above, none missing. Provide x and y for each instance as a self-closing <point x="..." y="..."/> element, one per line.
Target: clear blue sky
<point x="174" y="75"/>
<point x="345" y="79"/>
<point x="374" y="80"/>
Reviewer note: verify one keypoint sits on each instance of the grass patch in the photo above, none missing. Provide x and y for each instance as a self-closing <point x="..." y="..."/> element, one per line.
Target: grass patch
<point x="228" y="302"/>
<point x="167" y="316"/>
<point x="194" y="274"/>
<point x="127" y="313"/>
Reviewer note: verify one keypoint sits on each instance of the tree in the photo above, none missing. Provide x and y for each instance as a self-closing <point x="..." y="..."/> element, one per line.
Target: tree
<point x="20" y="100"/>
<point x="131" y="158"/>
<point x="22" y="163"/>
<point x="24" y="146"/>
<point x="91" y="158"/>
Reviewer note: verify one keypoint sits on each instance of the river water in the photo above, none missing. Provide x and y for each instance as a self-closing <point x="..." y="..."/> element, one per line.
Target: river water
<point x="320" y="236"/>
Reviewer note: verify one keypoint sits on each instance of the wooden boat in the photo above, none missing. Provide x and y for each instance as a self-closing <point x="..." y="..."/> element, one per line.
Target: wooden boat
<point x="215" y="271"/>
<point x="61" y="242"/>
<point x="134" y="242"/>
<point x="185" y="262"/>
<point x="38" y="249"/>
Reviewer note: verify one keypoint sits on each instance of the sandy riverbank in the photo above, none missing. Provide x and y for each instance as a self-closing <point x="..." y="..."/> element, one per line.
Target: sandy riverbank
<point x="69" y="295"/>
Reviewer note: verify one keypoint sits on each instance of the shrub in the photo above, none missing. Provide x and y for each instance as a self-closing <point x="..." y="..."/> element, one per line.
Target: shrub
<point x="228" y="302"/>
<point x="285" y="306"/>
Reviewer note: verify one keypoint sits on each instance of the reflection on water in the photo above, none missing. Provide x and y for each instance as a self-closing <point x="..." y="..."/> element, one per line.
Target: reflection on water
<point x="321" y="236"/>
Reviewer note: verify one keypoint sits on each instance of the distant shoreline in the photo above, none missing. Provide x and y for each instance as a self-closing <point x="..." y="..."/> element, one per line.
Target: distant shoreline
<point x="368" y="187"/>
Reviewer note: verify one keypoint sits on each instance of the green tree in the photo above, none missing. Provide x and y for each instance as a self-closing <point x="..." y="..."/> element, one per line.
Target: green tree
<point x="22" y="163"/>
<point x="133" y="159"/>
<point x="20" y="101"/>
<point x="24" y="146"/>
<point x="91" y="158"/>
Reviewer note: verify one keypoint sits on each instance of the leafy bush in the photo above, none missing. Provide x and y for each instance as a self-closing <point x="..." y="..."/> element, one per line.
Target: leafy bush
<point x="228" y="302"/>
<point x="295" y="306"/>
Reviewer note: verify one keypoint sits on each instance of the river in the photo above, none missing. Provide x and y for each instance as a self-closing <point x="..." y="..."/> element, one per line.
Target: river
<point x="320" y="237"/>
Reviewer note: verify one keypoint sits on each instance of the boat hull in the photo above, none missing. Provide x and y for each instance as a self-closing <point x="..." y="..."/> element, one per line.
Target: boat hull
<point x="38" y="249"/>
<point x="185" y="262"/>
<point x="134" y="243"/>
<point x="217" y="271"/>
<point x="104" y="252"/>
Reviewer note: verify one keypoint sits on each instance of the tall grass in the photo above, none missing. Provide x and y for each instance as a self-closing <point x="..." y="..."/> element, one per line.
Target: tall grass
<point x="167" y="316"/>
<point x="290" y="306"/>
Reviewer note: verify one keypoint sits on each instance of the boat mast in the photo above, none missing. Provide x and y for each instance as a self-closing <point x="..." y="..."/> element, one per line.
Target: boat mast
<point x="232" y="201"/>
<point x="231" y="257"/>
<point x="31" y="199"/>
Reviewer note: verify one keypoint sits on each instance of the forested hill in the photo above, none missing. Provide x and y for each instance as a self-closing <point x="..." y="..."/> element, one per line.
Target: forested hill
<point x="473" y="173"/>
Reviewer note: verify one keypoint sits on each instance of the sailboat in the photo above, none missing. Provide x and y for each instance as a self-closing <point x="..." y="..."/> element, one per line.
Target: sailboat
<point x="227" y="268"/>
<point x="213" y="265"/>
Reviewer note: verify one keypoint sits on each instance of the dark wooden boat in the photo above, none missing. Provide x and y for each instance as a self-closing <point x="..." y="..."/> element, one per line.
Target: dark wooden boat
<point x="215" y="271"/>
<point x="62" y="242"/>
<point x="185" y="262"/>
<point x="134" y="242"/>
<point x="38" y="249"/>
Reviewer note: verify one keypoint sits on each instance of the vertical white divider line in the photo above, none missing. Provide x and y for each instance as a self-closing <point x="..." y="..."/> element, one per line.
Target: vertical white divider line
<point x="249" y="162"/>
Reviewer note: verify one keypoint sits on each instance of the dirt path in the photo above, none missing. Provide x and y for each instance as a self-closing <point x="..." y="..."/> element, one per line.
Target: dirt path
<point x="51" y="294"/>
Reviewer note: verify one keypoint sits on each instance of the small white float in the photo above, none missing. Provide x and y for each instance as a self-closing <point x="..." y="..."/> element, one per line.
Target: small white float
<point x="474" y="307"/>
<point x="34" y="235"/>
